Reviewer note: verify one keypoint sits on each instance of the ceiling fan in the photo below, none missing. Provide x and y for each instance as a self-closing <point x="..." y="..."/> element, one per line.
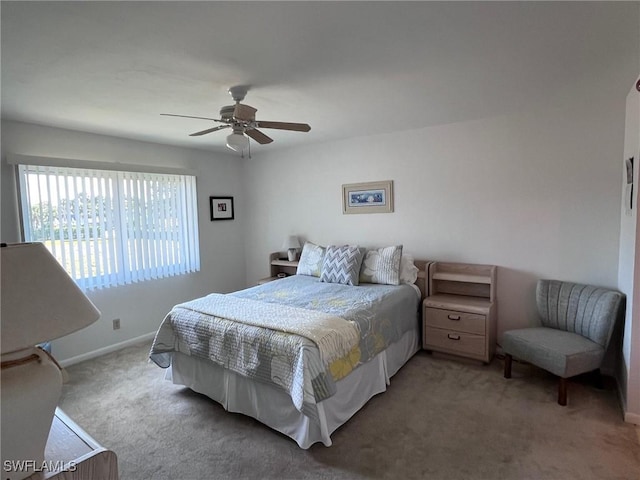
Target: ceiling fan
<point x="241" y="119"/>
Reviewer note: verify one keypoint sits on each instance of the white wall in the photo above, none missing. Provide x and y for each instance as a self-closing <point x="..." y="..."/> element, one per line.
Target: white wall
<point x="536" y="193"/>
<point x="142" y="306"/>
<point x="629" y="265"/>
<point x="628" y="218"/>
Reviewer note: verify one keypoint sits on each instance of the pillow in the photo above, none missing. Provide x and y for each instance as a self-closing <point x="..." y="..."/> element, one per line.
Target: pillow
<point x="408" y="270"/>
<point x="342" y="265"/>
<point x="382" y="266"/>
<point x="311" y="260"/>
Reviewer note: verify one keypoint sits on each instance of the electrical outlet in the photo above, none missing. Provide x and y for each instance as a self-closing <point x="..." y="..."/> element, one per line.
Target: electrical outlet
<point x="116" y="323"/>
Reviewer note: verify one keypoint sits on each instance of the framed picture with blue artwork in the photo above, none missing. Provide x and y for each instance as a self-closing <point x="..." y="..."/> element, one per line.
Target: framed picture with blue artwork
<point x="368" y="197"/>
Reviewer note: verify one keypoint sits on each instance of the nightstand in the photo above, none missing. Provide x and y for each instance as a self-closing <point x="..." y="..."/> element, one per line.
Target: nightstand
<point x="277" y="266"/>
<point x="459" y="315"/>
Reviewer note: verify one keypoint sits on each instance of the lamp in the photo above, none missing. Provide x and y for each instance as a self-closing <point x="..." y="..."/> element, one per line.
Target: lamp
<point x="291" y="245"/>
<point x="39" y="302"/>
<point x="237" y="142"/>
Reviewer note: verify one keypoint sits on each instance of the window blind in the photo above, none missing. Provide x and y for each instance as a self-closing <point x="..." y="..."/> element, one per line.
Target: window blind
<point x="111" y="227"/>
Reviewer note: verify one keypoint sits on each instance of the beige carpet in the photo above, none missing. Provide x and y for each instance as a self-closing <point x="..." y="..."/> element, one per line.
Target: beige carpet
<point x="439" y="419"/>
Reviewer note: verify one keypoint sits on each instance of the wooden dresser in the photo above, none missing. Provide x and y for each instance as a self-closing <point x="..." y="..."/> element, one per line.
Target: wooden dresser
<point x="459" y="315"/>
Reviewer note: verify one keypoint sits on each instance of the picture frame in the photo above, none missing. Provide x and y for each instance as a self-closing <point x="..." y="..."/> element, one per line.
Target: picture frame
<point x="367" y="197"/>
<point x="628" y="193"/>
<point x="221" y="208"/>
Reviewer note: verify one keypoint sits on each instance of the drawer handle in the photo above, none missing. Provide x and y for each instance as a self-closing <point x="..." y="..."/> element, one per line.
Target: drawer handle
<point x="451" y="336"/>
<point x="453" y="317"/>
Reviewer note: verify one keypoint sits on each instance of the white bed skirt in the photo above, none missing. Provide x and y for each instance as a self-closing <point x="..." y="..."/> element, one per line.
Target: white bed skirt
<point x="273" y="407"/>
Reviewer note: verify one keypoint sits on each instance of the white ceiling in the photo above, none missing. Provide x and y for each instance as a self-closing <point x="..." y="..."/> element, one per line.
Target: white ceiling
<point x="346" y="68"/>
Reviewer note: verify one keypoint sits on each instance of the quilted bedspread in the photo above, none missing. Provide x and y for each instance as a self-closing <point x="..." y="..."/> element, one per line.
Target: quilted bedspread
<point x="272" y="349"/>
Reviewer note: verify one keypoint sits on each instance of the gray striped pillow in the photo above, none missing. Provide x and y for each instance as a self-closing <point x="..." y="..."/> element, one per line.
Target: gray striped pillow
<point x="341" y="265"/>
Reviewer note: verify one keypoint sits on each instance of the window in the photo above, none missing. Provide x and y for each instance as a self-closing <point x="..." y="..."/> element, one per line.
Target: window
<point x="109" y="227"/>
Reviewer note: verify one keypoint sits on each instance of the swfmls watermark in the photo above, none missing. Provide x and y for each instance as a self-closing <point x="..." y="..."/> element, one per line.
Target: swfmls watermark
<point x="18" y="466"/>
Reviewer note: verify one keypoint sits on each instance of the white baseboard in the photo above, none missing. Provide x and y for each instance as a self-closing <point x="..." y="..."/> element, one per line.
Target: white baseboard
<point x="103" y="351"/>
<point x="628" y="416"/>
<point x="632" y="418"/>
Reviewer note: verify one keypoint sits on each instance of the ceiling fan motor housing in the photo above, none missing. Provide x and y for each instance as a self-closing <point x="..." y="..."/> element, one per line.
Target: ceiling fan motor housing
<point x="226" y="113"/>
<point x="238" y="112"/>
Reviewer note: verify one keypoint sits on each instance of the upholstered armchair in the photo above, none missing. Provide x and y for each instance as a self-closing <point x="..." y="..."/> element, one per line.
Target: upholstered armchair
<point x="577" y="323"/>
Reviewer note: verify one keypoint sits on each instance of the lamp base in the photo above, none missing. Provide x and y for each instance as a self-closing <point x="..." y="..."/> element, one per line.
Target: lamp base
<point x="31" y="389"/>
<point x="292" y="254"/>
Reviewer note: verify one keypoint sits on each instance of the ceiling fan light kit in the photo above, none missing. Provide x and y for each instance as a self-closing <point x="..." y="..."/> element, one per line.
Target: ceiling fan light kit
<point x="242" y="118"/>
<point x="237" y="142"/>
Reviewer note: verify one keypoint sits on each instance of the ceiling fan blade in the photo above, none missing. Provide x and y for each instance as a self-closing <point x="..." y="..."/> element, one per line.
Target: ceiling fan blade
<point x="258" y="136"/>
<point x="296" y="127"/>
<point x="189" y="116"/>
<point x="244" y="112"/>
<point x="209" y="130"/>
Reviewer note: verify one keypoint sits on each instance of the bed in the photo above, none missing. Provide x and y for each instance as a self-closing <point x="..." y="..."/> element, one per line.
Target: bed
<point x="298" y="354"/>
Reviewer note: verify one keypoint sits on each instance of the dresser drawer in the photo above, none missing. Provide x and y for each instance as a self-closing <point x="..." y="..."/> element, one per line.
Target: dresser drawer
<point x="454" y="342"/>
<point x="453" y="320"/>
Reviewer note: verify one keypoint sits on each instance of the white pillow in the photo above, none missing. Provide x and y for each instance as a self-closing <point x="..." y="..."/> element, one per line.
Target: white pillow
<point x="408" y="270"/>
<point x="311" y="260"/>
<point x="382" y="266"/>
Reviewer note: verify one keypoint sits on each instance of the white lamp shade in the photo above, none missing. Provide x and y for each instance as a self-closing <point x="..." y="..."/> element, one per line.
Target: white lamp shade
<point x="237" y="142"/>
<point x="40" y="301"/>
<point x="291" y="242"/>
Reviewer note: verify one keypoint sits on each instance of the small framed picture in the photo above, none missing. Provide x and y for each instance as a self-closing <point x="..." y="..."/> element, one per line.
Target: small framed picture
<point x="370" y="197"/>
<point x="628" y="192"/>
<point x="221" y="208"/>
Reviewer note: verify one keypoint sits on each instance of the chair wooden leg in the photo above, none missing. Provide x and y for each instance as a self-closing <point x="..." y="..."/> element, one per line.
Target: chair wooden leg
<point x="507" y="365"/>
<point x="562" y="392"/>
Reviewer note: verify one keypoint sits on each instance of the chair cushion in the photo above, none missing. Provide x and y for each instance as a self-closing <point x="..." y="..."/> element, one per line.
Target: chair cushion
<point x="562" y="353"/>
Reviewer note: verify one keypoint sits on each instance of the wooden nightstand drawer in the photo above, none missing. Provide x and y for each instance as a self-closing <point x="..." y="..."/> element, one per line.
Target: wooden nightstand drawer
<point x="455" y="320"/>
<point x="458" y="343"/>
